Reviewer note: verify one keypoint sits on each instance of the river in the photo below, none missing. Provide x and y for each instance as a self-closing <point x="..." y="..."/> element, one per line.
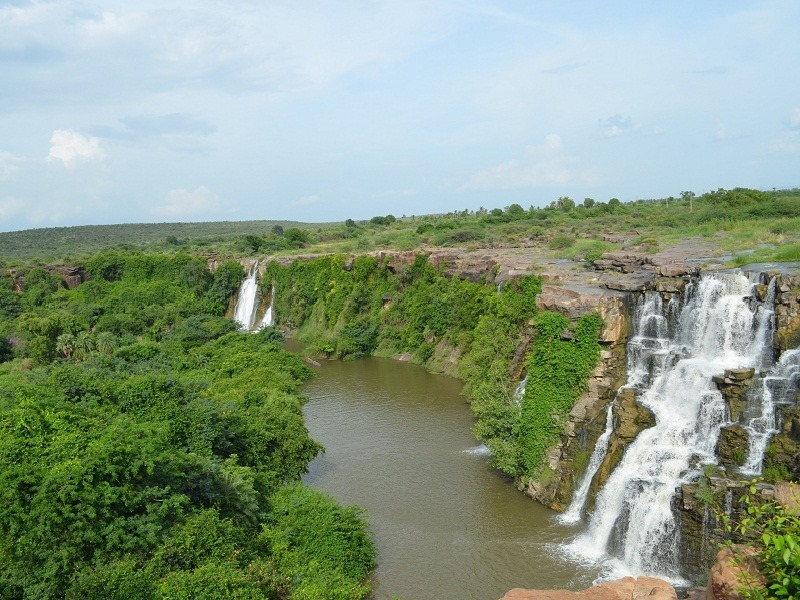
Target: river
<point x="446" y="525"/>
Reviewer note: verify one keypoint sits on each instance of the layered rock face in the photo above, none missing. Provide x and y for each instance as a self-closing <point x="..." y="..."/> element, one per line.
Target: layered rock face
<point x="567" y="459"/>
<point x="71" y="276"/>
<point x="623" y="589"/>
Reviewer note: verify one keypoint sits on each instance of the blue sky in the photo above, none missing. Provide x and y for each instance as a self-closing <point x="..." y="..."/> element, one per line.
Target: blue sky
<point x="316" y="110"/>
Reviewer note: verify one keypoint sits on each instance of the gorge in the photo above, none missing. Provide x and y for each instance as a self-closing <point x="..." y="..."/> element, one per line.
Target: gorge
<point x="696" y="374"/>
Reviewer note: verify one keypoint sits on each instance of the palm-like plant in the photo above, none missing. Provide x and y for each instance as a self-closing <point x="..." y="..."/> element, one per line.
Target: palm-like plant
<point x="84" y="344"/>
<point x="106" y="342"/>
<point x="65" y="344"/>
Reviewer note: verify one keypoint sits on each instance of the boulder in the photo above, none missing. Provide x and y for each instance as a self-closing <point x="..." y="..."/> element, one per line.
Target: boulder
<point x="676" y="269"/>
<point x="623" y="589"/>
<point x="669" y="285"/>
<point x="726" y="575"/>
<point x="788" y="494"/>
<point x="627" y="262"/>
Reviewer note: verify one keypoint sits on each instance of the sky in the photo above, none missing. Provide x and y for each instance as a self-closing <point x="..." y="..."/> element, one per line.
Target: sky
<point x="312" y="110"/>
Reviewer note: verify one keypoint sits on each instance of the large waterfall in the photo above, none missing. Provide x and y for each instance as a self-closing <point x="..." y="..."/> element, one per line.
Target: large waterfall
<point x="247" y="300"/>
<point x="675" y="351"/>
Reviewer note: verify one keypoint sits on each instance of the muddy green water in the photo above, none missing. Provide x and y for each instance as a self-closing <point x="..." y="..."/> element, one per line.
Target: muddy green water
<point x="446" y="525"/>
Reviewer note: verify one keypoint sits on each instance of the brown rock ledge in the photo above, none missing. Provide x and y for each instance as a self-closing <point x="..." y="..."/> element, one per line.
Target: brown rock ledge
<point x="622" y="589"/>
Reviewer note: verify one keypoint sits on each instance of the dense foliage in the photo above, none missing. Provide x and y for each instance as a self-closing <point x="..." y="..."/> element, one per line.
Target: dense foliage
<point x="349" y="308"/>
<point x="557" y="373"/>
<point x="148" y="450"/>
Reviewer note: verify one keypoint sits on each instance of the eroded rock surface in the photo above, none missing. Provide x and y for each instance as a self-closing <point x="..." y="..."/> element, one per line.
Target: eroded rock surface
<point x="623" y="589"/>
<point x="726" y="574"/>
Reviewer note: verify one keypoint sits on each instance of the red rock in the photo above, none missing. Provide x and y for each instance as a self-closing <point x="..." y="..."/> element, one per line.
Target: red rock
<point x="623" y="589"/>
<point x="725" y="578"/>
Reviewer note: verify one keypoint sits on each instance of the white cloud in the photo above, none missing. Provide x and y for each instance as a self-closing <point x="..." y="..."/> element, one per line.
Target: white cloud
<point x="183" y="203"/>
<point x="789" y="144"/>
<point x="304" y="201"/>
<point x="545" y="165"/>
<point x="616" y="126"/>
<point x="70" y="147"/>
<point x="9" y="164"/>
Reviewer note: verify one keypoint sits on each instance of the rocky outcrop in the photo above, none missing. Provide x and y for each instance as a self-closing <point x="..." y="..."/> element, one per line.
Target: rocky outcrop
<point x="623" y="589"/>
<point x="630" y="419"/>
<point x="788" y="494"/>
<point x="71" y="276"/>
<point x="732" y="445"/>
<point x="625" y="262"/>
<point x="568" y="457"/>
<point x="733" y="567"/>
<point x="787" y="312"/>
<point x="783" y="452"/>
<point x="733" y="385"/>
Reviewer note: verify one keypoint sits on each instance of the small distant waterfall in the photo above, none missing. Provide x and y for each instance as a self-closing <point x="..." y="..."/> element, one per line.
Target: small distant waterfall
<point x="519" y="392"/>
<point x="675" y="351"/>
<point x="778" y="386"/>
<point x="269" y="315"/>
<point x="247" y="300"/>
<point x="573" y="512"/>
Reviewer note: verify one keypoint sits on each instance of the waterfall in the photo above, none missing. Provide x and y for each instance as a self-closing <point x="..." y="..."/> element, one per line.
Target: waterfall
<point x="676" y="350"/>
<point x="779" y="386"/>
<point x="573" y="512"/>
<point x="519" y="392"/>
<point x="269" y="316"/>
<point x="247" y="300"/>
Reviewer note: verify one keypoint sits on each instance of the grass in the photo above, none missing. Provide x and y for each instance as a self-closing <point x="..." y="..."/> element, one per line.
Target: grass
<point x="736" y="221"/>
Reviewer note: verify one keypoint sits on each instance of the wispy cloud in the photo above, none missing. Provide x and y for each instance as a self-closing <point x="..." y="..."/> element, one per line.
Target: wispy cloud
<point x="9" y="164"/>
<point x="545" y="165"/>
<point x="615" y="126"/>
<point x="71" y="147"/>
<point x="304" y="201"/>
<point x="190" y="204"/>
<point x="568" y="68"/>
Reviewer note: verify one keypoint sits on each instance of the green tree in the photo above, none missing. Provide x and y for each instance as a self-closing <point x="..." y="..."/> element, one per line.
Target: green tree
<point x="565" y="203"/>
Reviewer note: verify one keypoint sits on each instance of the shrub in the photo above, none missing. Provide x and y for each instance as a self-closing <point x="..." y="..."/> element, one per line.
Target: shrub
<point x="774" y="532"/>
<point x="561" y="241"/>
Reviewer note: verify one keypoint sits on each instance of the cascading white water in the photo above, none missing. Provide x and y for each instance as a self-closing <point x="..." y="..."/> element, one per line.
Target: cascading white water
<point x="269" y="316"/>
<point x="575" y="508"/>
<point x="247" y="300"/>
<point x="519" y="391"/>
<point x="778" y="386"/>
<point x="676" y="353"/>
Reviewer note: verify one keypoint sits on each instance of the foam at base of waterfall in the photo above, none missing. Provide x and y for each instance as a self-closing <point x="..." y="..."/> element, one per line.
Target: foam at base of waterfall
<point x="480" y="450"/>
